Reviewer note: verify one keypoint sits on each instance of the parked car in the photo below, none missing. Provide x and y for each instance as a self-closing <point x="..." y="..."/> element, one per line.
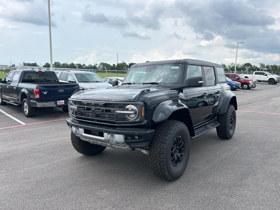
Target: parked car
<point x="34" y="89"/>
<point x="85" y="79"/>
<point x="264" y="76"/>
<point x="114" y="80"/>
<point x="245" y="82"/>
<point x="158" y="108"/>
<point x="233" y="84"/>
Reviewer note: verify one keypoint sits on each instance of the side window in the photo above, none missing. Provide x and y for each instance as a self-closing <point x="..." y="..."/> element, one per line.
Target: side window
<point x="221" y="74"/>
<point x="209" y="75"/>
<point x="193" y="76"/>
<point x="16" y="76"/>
<point x="193" y="72"/>
<point x="9" y="77"/>
<point x="63" y="76"/>
<point x="234" y="76"/>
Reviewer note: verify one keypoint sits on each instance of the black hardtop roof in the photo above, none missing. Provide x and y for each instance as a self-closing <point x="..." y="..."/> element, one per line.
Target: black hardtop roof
<point x="187" y="61"/>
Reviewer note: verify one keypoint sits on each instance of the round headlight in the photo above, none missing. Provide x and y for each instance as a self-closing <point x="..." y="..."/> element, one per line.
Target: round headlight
<point x="132" y="112"/>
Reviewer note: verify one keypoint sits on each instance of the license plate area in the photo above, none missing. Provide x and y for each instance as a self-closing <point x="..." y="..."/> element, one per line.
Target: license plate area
<point x="60" y="102"/>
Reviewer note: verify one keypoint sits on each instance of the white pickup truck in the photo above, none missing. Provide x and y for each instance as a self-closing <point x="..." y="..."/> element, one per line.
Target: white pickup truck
<point x="263" y="76"/>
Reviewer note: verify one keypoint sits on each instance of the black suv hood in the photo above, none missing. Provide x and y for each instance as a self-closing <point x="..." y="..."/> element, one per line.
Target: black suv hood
<point x="121" y="93"/>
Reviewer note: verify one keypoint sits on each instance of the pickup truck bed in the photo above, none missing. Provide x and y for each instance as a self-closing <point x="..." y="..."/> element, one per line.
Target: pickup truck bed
<point x="33" y="89"/>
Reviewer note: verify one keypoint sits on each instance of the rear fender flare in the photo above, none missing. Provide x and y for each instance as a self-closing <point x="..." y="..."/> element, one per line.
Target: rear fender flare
<point x="225" y="100"/>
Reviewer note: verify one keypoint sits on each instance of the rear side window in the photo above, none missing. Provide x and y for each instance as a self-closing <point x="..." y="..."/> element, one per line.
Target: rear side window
<point x="221" y="74"/>
<point x="209" y="75"/>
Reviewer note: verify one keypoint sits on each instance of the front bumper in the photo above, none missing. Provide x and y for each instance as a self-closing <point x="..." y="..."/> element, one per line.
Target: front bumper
<point x="125" y="138"/>
<point x="253" y="85"/>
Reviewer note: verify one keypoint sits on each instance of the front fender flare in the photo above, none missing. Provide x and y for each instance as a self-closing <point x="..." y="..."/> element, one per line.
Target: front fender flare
<point x="165" y="109"/>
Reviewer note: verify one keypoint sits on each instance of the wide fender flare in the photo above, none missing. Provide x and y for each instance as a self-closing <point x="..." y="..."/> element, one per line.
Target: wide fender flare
<point x="166" y="108"/>
<point x="225" y="99"/>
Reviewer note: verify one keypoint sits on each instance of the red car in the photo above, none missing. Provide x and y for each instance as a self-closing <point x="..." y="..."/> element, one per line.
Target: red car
<point x="245" y="82"/>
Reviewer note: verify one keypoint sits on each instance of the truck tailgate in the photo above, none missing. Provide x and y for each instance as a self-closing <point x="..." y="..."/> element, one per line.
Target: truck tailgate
<point x="55" y="92"/>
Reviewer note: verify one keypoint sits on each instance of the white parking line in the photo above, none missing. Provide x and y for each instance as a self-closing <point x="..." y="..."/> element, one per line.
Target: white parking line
<point x="10" y="116"/>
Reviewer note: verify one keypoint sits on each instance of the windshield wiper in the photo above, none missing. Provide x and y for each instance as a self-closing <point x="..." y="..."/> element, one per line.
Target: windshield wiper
<point x="152" y="83"/>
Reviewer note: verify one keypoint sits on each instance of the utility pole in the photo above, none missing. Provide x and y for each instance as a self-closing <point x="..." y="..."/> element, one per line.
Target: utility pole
<point x="237" y="43"/>
<point x="50" y="35"/>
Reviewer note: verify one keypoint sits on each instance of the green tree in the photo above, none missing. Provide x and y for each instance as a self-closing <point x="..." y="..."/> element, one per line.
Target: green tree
<point x="57" y="64"/>
<point x="47" y="65"/>
<point x="104" y="66"/>
<point x="122" y="66"/>
<point x="72" y="65"/>
<point x="29" y="64"/>
<point x="130" y="64"/>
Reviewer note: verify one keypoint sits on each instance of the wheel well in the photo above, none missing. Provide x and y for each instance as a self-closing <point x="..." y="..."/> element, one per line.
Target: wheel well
<point x="183" y="115"/>
<point x="233" y="102"/>
<point x="23" y="96"/>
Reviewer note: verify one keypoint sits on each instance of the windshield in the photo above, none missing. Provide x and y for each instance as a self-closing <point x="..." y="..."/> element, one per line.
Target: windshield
<point x="88" y="77"/>
<point x="154" y="73"/>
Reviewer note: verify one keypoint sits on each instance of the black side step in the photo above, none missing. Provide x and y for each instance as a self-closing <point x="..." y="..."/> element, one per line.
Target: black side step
<point x="205" y="128"/>
<point x="8" y="102"/>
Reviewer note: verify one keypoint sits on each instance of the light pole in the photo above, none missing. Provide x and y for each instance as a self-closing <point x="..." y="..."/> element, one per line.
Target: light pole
<point x="237" y="43"/>
<point x="50" y="34"/>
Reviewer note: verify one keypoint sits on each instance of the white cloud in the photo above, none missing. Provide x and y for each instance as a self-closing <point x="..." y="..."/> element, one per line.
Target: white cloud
<point x="87" y="59"/>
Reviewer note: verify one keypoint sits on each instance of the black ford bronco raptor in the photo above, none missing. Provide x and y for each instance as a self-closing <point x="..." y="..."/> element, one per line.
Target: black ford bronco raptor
<point x="158" y="108"/>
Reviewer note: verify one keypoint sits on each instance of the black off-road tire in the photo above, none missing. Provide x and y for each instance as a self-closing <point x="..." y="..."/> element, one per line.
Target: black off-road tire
<point x="271" y="81"/>
<point x="1" y="100"/>
<point x="227" y="125"/>
<point x="84" y="147"/>
<point x="170" y="150"/>
<point x="28" y="111"/>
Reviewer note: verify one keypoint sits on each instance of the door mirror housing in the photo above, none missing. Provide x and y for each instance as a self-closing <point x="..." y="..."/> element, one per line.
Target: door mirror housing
<point x="195" y="82"/>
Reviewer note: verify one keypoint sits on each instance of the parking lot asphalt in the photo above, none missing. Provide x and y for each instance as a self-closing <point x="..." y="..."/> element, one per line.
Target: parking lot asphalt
<point x="41" y="170"/>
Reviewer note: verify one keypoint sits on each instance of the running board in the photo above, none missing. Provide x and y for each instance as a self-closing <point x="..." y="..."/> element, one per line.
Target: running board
<point x="8" y="102"/>
<point x="205" y="128"/>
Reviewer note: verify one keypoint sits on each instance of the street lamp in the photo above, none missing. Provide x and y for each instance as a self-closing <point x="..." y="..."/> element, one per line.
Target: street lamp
<point x="50" y="35"/>
<point x="237" y="43"/>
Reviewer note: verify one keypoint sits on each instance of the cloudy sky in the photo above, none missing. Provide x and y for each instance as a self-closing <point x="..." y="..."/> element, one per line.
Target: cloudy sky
<point x="90" y="32"/>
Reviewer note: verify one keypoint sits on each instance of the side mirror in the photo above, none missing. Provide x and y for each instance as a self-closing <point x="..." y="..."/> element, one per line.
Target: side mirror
<point x="265" y="74"/>
<point x="116" y="82"/>
<point x="195" y="82"/>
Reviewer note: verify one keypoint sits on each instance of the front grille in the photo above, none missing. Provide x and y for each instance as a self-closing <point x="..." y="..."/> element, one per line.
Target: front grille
<point x="99" y="112"/>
